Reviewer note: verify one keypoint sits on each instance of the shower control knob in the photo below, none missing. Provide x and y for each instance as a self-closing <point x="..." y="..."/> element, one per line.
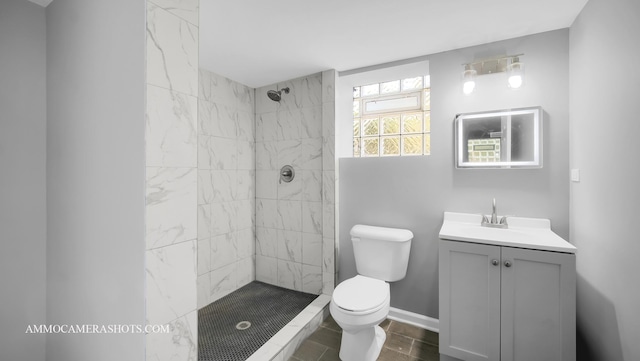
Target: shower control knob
<point x="507" y="263"/>
<point x="287" y="174"/>
<point x="495" y="262"/>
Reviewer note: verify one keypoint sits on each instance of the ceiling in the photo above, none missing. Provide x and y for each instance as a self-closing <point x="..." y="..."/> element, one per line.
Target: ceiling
<point x="258" y="42"/>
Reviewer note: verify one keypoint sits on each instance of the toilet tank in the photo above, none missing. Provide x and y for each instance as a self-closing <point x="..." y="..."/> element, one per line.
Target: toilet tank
<point x="380" y="252"/>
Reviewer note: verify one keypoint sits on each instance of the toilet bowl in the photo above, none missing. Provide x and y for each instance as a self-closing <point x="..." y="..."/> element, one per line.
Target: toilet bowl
<point x="358" y="306"/>
<point x="360" y="303"/>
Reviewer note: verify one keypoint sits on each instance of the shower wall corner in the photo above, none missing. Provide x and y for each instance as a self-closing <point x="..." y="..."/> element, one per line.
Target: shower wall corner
<point x="226" y="186"/>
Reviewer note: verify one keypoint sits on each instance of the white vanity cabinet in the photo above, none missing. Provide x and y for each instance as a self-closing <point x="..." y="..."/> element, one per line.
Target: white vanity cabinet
<point x="503" y="303"/>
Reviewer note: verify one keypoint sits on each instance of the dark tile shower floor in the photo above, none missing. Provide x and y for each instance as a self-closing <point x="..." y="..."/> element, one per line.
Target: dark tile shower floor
<point x="268" y="308"/>
<point x="404" y="343"/>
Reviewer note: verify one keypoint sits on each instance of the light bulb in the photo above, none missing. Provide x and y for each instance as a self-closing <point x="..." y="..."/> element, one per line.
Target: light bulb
<point x="515" y="73"/>
<point x="468" y="86"/>
<point x="468" y="80"/>
<point x="515" y="81"/>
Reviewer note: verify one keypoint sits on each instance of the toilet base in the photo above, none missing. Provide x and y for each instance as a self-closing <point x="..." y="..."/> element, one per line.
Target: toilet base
<point x="362" y="346"/>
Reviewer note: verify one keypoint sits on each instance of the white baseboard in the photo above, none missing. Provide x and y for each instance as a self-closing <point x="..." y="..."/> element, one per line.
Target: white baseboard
<point x="414" y="319"/>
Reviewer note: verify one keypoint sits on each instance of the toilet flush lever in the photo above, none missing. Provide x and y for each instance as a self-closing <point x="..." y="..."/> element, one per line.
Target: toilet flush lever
<point x="287" y="174"/>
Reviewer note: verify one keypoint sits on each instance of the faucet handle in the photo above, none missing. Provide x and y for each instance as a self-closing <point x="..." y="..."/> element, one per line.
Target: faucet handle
<point x="503" y="220"/>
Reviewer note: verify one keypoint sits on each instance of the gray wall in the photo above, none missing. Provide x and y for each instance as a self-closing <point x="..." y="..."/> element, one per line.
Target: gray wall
<point x="95" y="175"/>
<point x="413" y="192"/>
<point x="605" y="88"/>
<point x="22" y="178"/>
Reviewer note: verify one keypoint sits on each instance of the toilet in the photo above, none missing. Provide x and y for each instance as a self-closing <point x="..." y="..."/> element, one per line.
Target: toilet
<point x="359" y="304"/>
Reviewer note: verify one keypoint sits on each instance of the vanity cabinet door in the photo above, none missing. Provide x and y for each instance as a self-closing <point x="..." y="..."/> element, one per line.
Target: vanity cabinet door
<point x="538" y="305"/>
<point x="469" y="301"/>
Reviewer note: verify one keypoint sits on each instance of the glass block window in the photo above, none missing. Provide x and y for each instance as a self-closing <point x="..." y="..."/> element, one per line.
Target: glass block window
<point x="392" y="118"/>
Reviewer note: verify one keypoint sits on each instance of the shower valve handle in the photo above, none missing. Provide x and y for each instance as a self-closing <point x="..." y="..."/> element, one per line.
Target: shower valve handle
<point x="287" y="174"/>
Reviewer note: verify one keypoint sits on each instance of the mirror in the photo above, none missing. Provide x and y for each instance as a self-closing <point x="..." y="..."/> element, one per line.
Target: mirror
<point x="499" y="139"/>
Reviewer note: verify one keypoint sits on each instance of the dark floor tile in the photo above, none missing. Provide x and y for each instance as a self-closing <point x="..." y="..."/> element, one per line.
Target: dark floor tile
<point x="424" y="351"/>
<point x="293" y="358"/>
<point x="398" y="343"/>
<point x="404" y="343"/>
<point x="391" y="355"/>
<point x="385" y="324"/>
<point x="309" y="351"/>
<point x="327" y="337"/>
<point x="431" y="337"/>
<point x="414" y="332"/>
<point x="330" y="323"/>
<point x="330" y="355"/>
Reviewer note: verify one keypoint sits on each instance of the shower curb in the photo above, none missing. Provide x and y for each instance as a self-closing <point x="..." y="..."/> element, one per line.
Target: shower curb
<point x="283" y="344"/>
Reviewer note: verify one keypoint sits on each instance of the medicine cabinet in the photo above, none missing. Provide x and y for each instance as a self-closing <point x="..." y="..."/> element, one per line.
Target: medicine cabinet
<point x="499" y="139"/>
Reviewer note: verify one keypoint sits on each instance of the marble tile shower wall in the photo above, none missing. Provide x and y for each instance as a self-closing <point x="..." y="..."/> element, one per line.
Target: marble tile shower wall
<point x="171" y="178"/>
<point x="226" y="187"/>
<point x="289" y="215"/>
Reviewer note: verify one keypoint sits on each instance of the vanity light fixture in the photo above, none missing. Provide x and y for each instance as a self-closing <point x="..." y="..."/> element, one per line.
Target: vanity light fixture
<point x="468" y="80"/>
<point x="509" y="64"/>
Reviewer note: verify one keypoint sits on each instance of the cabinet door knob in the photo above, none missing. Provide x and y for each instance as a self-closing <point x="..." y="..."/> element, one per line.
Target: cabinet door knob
<point x="495" y="262"/>
<point x="507" y="263"/>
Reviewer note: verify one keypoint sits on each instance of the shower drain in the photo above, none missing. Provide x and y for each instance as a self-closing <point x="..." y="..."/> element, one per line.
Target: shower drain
<point x="243" y="325"/>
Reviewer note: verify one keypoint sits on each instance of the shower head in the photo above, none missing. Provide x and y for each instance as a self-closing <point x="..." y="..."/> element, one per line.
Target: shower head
<point x="276" y="95"/>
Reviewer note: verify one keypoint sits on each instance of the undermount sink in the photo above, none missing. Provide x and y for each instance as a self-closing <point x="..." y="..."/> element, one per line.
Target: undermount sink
<point x="532" y="233"/>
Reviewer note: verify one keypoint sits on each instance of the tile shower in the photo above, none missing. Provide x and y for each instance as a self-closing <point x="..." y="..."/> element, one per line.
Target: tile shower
<point x="251" y="226"/>
<point x="216" y="216"/>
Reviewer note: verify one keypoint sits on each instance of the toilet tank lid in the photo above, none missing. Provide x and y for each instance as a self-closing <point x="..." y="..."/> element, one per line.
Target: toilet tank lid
<point x="381" y="233"/>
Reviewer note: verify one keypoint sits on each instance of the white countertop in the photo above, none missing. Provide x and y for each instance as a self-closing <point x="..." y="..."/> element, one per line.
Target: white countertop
<point x="531" y="233"/>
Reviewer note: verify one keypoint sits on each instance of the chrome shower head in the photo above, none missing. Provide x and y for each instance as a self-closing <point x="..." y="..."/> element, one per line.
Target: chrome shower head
<point x="276" y="95"/>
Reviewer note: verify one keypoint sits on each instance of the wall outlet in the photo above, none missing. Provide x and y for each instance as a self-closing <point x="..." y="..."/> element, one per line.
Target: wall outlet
<point x="575" y="175"/>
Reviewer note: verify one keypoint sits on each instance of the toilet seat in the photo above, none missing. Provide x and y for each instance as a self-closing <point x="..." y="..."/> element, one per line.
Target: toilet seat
<point x="361" y="295"/>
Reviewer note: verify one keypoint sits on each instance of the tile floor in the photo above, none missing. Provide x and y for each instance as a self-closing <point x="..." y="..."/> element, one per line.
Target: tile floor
<point x="404" y="343"/>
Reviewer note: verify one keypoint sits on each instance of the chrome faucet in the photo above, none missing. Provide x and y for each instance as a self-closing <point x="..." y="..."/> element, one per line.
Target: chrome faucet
<point x="494" y="219"/>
